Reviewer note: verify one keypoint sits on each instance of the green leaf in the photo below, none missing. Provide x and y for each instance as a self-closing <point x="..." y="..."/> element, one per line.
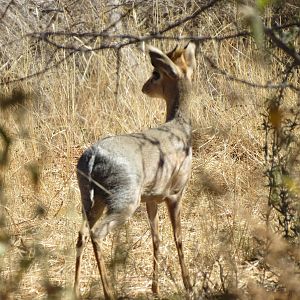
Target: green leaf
<point x="257" y="29"/>
<point x="261" y="4"/>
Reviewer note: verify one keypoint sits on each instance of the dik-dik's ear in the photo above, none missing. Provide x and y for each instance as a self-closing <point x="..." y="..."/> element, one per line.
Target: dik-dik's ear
<point x="163" y="63"/>
<point x="190" y="59"/>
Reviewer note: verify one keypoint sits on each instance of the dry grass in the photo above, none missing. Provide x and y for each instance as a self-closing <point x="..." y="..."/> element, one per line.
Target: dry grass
<point x="72" y="106"/>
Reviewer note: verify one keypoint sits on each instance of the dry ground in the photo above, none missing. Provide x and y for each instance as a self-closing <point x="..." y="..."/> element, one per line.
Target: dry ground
<point x="72" y="106"/>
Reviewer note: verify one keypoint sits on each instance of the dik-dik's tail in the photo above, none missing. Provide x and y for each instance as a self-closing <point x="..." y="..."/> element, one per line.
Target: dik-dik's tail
<point x="84" y="175"/>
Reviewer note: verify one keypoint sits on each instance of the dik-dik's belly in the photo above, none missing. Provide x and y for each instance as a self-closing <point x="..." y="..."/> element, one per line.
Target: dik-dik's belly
<point x="169" y="178"/>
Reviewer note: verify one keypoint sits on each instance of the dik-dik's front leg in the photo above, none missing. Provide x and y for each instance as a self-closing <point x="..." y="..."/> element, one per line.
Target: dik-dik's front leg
<point x="153" y="220"/>
<point x="174" y="208"/>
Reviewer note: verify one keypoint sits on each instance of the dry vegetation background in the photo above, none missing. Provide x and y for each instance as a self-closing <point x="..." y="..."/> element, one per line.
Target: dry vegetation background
<point x="230" y="251"/>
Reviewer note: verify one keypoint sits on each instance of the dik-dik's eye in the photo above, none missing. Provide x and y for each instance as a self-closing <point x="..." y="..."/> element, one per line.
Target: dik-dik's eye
<point x="155" y="75"/>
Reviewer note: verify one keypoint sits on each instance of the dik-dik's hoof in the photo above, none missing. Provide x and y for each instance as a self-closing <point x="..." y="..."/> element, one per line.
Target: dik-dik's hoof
<point x="155" y="289"/>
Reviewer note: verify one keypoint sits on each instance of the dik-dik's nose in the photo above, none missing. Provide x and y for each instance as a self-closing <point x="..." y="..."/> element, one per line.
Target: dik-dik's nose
<point x="146" y="87"/>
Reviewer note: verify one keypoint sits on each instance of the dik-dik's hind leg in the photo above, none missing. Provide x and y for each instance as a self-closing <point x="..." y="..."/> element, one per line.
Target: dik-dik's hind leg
<point x="109" y="222"/>
<point x="153" y="220"/>
<point x="89" y="219"/>
<point x="83" y="236"/>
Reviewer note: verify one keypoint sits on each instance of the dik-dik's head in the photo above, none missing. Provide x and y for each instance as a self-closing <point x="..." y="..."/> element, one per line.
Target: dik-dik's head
<point x="169" y="69"/>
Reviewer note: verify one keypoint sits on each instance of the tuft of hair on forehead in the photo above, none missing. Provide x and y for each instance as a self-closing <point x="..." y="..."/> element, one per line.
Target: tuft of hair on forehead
<point x="175" y="53"/>
<point x="177" y="57"/>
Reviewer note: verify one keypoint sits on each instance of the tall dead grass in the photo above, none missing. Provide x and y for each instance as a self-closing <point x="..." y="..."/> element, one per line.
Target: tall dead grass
<point x="73" y="105"/>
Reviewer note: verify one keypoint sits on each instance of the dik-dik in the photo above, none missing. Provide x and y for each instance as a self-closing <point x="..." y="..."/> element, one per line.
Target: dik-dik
<point x="152" y="166"/>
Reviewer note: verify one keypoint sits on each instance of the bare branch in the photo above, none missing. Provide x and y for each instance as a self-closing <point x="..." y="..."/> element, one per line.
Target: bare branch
<point x="12" y="2"/>
<point x="41" y="72"/>
<point x="188" y="18"/>
<point x="127" y="39"/>
<point x="283" y="46"/>
<point x="111" y="26"/>
<point x="252" y="84"/>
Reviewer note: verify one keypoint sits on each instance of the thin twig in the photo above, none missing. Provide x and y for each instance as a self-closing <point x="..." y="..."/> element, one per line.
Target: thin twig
<point x="252" y="84"/>
<point x="41" y="72"/>
<point x="119" y="61"/>
<point x="283" y="46"/>
<point x="134" y="6"/>
<point x="188" y="18"/>
<point x="12" y="2"/>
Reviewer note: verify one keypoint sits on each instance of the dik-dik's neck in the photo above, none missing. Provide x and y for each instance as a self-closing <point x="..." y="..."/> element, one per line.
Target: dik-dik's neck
<point x="178" y="103"/>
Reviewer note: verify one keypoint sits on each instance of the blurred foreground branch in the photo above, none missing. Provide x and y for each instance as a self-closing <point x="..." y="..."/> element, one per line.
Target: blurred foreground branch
<point x="282" y="152"/>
